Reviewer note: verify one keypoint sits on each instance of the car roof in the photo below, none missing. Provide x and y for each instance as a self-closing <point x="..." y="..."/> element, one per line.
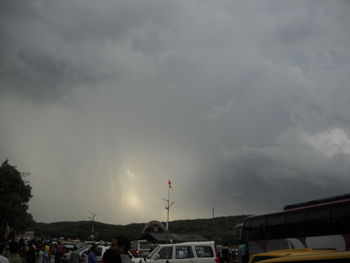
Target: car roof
<point x="188" y="243"/>
<point x="314" y="256"/>
<point x="296" y="251"/>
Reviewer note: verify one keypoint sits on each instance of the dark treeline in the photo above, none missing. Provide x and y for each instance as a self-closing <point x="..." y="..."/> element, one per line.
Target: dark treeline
<point x="219" y="229"/>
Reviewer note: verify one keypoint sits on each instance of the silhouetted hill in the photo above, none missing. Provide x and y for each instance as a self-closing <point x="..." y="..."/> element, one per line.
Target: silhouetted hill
<point x="221" y="228"/>
<point x="82" y="230"/>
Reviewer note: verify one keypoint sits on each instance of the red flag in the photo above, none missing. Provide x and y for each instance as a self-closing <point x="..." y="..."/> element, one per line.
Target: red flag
<point x="169" y="182"/>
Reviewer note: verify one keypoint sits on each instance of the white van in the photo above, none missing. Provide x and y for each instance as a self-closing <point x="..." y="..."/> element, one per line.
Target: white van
<point x="140" y="248"/>
<point x="189" y="252"/>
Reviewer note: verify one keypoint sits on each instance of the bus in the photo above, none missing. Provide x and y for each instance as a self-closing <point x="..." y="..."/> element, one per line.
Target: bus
<point x="320" y="224"/>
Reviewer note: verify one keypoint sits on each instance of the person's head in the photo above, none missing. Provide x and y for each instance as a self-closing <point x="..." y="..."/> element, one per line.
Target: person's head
<point x="2" y="247"/>
<point x="93" y="248"/>
<point x="123" y="245"/>
<point x="13" y="247"/>
<point x="114" y="243"/>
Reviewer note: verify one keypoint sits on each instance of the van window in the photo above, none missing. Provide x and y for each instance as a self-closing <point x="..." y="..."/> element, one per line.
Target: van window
<point x="134" y="244"/>
<point x="145" y="245"/>
<point x="184" y="252"/>
<point x="166" y="253"/>
<point x="204" y="252"/>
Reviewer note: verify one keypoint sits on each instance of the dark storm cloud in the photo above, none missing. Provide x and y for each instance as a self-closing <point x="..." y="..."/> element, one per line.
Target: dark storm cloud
<point x="244" y="104"/>
<point x="277" y="182"/>
<point x="50" y="48"/>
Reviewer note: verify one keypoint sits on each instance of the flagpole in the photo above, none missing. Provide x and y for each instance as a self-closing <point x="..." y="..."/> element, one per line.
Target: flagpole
<point x="169" y="204"/>
<point x="167" y="209"/>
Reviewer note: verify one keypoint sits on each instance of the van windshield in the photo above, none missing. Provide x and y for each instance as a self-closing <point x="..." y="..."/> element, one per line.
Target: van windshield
<point x="145" y="245"/>
<point x="153" y="251"/>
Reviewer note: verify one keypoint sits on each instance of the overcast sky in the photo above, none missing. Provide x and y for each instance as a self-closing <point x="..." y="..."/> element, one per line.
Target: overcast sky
<point x="244" y="105"/>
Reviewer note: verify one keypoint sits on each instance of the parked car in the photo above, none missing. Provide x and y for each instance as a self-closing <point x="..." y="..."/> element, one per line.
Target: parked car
<point x="189" y="252"/>
<point x="140" y="248"/>
<point x="134" y="259"/>
<point x="100" y="250"/>
<point x="331" y="257"/>
<point x="287" y="252"/>
<point x="83" y="251"/>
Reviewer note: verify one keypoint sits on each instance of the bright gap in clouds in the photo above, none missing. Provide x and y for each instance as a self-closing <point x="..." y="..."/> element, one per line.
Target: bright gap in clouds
<point x="330" y="142"/>
<point x="130" y="199"/>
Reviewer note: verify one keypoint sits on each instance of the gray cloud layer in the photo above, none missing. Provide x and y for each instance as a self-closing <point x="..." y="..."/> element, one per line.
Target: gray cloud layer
<point x="243" y="104"/>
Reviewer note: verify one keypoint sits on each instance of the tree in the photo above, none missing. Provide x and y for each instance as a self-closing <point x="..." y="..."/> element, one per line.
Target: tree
<point x="14" y="197"/>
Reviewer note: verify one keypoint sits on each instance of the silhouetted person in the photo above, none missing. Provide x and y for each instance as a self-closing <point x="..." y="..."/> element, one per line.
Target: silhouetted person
<point x="92" y="255"/>
<point x="59" y="253"/>
<point x="123" y="246"/>
<point x="2" y="258"/>
<point x="243" y="252"/>
<point x="14" y="256"/>
<point x="224" y="254"/>
<point x="74" y="256"/>
<point x="112" y="255"/>
<point x="30" y="255"/>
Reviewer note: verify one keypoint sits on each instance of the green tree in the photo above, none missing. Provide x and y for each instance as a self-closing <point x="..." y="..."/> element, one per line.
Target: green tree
<point x="14" y="197"/>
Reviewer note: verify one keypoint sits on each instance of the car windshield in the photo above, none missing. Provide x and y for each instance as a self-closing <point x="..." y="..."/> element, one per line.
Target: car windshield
<point x="153" y="251"/>
<point x="82" y="249"/>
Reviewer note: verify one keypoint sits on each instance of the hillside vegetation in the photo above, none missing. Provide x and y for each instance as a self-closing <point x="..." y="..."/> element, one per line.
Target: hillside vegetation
<point x="219" y="229"/>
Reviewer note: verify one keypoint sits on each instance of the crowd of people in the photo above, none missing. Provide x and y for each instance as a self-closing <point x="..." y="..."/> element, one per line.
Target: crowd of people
<point x="39" y="251"/>
<point x="30" y="251"/>
<point x="233" y="253"/>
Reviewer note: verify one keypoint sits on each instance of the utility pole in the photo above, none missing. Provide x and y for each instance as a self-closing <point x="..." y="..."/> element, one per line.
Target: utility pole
<point x="92" y="217"/>
<point x="213" y="215"/>
<point x="169" y="203"/>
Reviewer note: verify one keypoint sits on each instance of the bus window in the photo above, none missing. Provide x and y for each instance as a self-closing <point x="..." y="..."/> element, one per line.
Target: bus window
<point x="314" y="215"/>
<point x="275" y="220"/>
<point x="258" y="222"/>
<point x="295" y="217"/>
<point x="340" y="220"/>
<point x="257" y="234"/>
